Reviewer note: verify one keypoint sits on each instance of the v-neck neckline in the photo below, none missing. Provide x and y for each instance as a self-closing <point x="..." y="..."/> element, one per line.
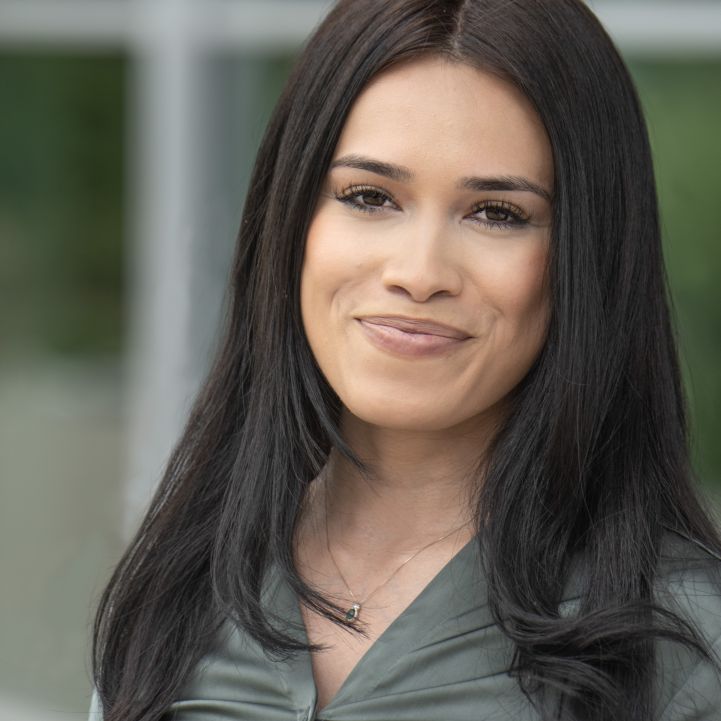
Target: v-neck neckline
<point x="434" y="603"/>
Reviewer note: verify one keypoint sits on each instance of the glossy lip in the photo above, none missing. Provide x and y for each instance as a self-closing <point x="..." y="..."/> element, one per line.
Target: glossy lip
<point x="411" y="337"/>
<point x="416" y="325"/>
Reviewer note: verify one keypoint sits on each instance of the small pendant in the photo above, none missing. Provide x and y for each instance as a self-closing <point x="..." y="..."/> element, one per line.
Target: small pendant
<point x="353" y="612"/>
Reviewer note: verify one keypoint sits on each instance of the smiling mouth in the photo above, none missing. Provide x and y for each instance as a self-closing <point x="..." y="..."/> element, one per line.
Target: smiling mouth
<point x="417" y="326"/>
<point x="410" y="337"/>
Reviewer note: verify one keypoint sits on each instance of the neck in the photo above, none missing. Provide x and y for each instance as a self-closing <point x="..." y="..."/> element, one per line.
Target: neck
<point x="420" y="486"/>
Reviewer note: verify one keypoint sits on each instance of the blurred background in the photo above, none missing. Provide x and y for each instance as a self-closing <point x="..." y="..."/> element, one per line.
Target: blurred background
<point x="127" y="133"/>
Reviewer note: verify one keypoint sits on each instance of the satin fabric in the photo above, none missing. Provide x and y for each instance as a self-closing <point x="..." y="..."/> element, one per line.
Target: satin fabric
<point x="442" y="659"/>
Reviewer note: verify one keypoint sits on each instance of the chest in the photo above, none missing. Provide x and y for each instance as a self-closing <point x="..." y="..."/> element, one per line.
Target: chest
<point x="345" y="648"/>
<point x="390" y="593"/>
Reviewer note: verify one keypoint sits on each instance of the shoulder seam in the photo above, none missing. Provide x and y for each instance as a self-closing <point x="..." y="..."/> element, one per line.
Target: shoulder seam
<point x="693" y="541"/>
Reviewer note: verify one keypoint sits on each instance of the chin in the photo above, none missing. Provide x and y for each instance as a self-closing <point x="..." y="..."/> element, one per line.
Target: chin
<point x="391" y="415"/>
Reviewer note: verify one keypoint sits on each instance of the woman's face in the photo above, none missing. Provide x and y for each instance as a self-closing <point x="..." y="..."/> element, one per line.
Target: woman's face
<point x="423" y="290"/>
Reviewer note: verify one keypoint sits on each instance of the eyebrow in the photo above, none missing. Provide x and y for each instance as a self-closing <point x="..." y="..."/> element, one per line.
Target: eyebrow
<point x="402" y="174"/>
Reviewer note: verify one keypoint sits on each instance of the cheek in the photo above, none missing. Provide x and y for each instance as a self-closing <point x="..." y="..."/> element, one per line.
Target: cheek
<point x="516" y="287"/>
<point x="340" y="258"/>
<point x="332" y="268"/>
<point x="316" y="270"/>
<point x="531" y="300"/>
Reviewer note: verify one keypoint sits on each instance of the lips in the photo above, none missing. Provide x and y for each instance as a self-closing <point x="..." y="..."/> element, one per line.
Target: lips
<point x="412" y="338"/>
<point x="417" y="326"/>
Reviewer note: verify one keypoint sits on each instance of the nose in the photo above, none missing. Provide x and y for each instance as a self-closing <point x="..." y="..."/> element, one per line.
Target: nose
<point x="420" y="261"/>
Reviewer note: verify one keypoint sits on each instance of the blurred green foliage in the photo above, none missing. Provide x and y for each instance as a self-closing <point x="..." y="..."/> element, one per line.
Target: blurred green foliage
<point x="682" y="101"/>
<point x="61" y="176"/>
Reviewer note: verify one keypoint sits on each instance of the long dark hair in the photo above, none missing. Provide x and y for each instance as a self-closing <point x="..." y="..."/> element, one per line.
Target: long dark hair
<point x="592" y="458"/>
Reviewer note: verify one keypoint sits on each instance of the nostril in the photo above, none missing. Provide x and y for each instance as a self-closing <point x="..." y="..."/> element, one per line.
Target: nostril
<point x="423" y="283"/>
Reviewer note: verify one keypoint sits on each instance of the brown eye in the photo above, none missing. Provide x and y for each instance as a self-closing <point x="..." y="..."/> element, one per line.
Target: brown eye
<point x="497" y="214"/>
<point x="367" y="200"/>
<point x="500" y="215"/>
<point x="373" y="198"/>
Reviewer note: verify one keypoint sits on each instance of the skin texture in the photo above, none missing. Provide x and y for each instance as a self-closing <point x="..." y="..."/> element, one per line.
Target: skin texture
<point x="425" y="251"/>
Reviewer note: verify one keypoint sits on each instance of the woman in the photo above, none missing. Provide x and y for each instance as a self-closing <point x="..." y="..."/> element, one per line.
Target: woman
<point x="439" y="469"/>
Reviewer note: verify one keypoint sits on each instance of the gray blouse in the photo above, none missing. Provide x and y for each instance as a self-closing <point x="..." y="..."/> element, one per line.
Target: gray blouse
<point x="442" y="659"/>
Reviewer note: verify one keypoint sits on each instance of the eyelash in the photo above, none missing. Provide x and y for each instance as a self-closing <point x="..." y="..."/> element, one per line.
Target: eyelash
<point x="517" y="218"/>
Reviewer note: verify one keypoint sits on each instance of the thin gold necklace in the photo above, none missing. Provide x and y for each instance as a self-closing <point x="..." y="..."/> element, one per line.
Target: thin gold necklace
<point x="353" y="612"/>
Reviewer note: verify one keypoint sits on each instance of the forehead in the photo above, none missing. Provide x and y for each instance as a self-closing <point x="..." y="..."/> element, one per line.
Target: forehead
<point x="437" y="114"/>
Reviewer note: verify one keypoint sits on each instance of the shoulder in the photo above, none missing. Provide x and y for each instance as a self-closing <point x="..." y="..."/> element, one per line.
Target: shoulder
<point x="689" y="584"/>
